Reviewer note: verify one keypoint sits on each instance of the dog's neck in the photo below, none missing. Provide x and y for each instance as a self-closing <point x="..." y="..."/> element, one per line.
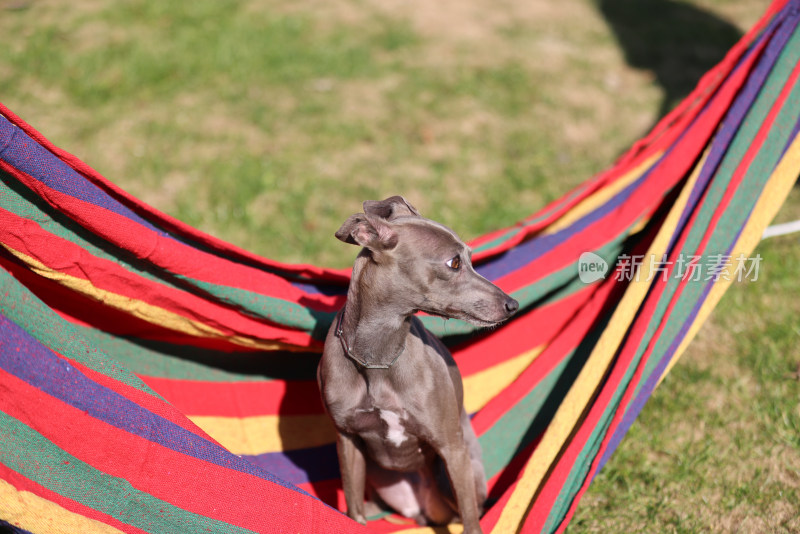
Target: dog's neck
<point x="374" y="330"/>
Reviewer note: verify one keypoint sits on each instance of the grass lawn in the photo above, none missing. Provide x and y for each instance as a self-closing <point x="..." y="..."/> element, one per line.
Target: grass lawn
<point x="266" y="123"/>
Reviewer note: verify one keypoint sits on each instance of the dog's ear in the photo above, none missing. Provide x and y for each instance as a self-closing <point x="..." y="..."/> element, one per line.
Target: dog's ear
<point x="368" y="231"/>
<point x="391" y="208"/>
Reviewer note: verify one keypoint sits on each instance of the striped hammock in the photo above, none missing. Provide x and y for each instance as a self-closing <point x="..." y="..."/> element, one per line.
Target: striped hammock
<point x="156" y="379"/>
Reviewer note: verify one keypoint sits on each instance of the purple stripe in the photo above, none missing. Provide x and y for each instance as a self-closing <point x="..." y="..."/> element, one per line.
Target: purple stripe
<point x="737" y="112"/>
<point x="23" y="356"/>
<point x="321" y="288"/>
<point x="300" y="466"/>
<point x="792" y="136"/>
<point x="527" y="252"/>
<point x="28" y="156"/>
<point x="649" y="386"/>
<point x="8" y="528"/>
<point x="524" y="253"/>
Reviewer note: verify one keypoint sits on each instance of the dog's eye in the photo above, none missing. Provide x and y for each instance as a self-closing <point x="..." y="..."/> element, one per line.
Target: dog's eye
<point x="454" y="263"/>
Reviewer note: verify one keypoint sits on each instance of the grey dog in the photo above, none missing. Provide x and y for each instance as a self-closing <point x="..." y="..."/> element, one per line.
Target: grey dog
<point x="391" y="387"/>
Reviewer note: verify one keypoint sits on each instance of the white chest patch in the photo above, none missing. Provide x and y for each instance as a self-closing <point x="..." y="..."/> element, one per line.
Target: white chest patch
<point x="396" y="433"/>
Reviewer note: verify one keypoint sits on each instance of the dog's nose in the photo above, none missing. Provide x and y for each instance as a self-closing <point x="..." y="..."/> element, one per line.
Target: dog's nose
<point x="511" y="306"/>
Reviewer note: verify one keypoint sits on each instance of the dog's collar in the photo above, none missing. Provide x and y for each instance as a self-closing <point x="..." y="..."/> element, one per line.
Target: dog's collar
<point x="346" y="347"/>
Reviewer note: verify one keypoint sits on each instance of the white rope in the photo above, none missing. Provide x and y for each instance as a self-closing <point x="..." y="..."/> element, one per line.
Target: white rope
<point x="781" y="229"/>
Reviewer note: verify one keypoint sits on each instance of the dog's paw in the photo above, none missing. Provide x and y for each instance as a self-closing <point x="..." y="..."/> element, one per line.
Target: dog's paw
<point x="358" y="517"/>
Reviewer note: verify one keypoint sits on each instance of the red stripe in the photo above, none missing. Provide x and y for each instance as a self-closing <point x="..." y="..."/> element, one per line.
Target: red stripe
<point x="492" y="515"/>
<point x="149" y="401"/>
<point x="79" y="309"/>
<point x="559" y="208"/>
<point x="169" y="223"/>
<point x="505" y="488"/>
<point x="500" y="488"/>
<point x="536" y="327"/>
<point x="665" y="175"/>
<point x="563" y="342"/>
<point x="239" y="399"/>
<point x="509" y="475"/>
<point x="169" y="254"/>
<point x="641" y="205"/>
<point x="671" y="169"/>
<point x="679" y="118"/>
<point x="638" y="332"/>
<point x="330" y="492"/>
<point x="668" y="129"/>
<point x="194" y="485"/>
<point x="66" y="257"/>
<point x="22" y="483"/>
<point x="522" y="230"/>
<point x="643" y="200"/>
<point x="600" y="303"/>
<point x="526" y="332"/>
<point x="555" y="482"/>
<point x="552" y="486"/>
<point x="638" y="154"/>
<point x="301" y="397"/>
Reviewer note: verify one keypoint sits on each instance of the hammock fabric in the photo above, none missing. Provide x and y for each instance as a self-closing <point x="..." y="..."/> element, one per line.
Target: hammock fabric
<point x="155" y="379"/>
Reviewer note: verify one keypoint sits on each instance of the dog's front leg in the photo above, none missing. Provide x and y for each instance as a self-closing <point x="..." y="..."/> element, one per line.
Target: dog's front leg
<point x="354" y="473"/>
<point x="459" y="469"/>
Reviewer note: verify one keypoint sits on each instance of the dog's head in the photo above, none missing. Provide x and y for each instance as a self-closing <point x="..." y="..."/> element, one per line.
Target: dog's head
<point x="419" y="264"/>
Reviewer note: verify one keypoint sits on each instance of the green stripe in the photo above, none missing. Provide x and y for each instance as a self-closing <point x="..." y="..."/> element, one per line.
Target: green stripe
<point x="517" y="229"/>
<point x="29" y="313"/>
<point x="35" y="457"/>
<point x="552" y="288"/>
<point x="529" y="417"/>
<point x="168" y="360"/>
<point x="282" y="312"/>
<point x="734" y="217"/>
<point x="19" y="200"/>
<point x="521" y="424"/>
<point x="730" y="223"/>
<point x="121" y="358"/>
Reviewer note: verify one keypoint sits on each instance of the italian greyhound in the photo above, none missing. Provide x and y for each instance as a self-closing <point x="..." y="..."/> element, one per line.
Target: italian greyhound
<point x="390" y="386"/>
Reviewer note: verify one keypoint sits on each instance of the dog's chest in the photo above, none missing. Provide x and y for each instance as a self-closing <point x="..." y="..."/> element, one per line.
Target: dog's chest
<point x="390" y="424"/>
<point x="390" y="435"/>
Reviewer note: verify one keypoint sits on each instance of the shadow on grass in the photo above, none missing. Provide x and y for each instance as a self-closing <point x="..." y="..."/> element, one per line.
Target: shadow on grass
<point x="674" y="40"/>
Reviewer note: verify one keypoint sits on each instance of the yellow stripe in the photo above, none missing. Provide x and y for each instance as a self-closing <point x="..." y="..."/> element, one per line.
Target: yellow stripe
<point x="585" y="386"/>
<point x="268" y="433"/>
<point x="272" y="433"/>
<point x="30" y="512"/>
<point x="601" y="196"/>
<point x="778" y="187"/>
<point x="483" y="386"/>
<point x="147" y="312"/>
